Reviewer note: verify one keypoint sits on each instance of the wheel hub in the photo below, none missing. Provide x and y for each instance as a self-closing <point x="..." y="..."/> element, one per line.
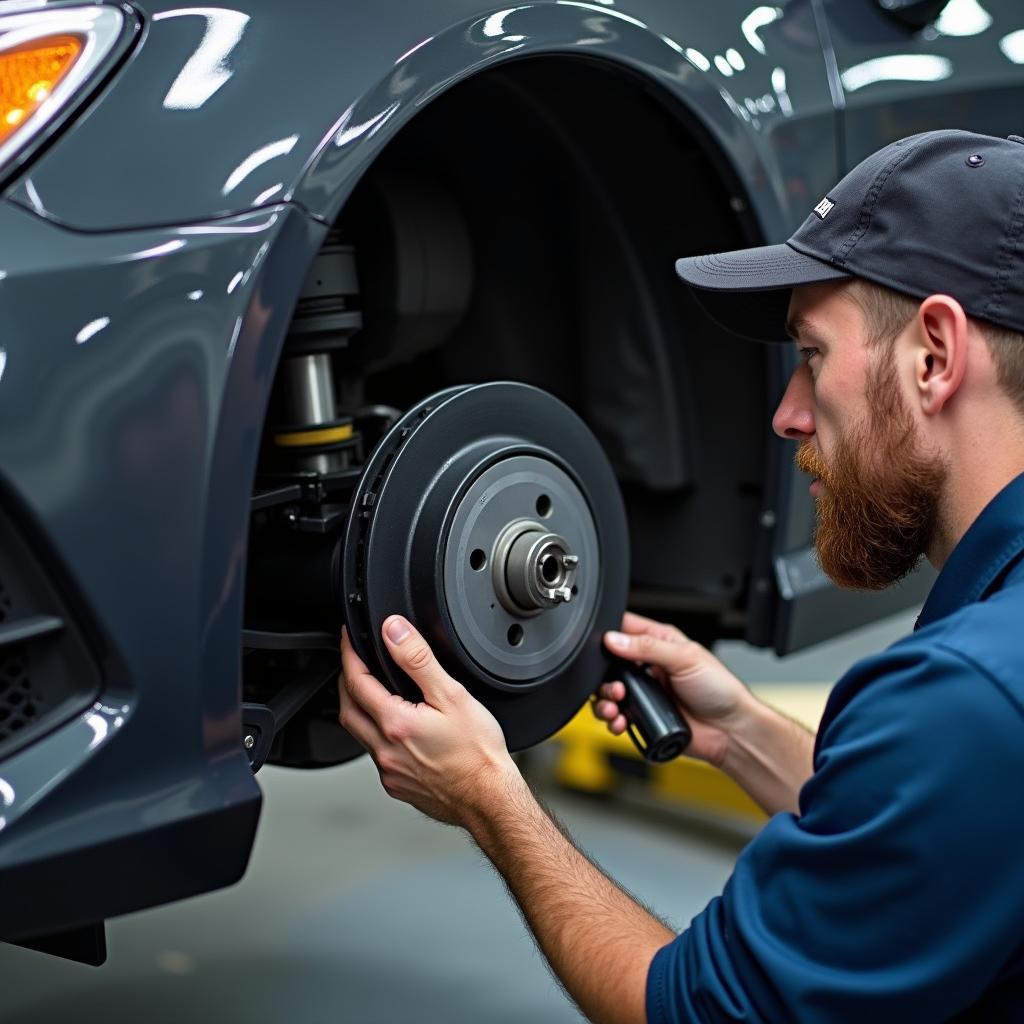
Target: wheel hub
<point x="533" y="569"/>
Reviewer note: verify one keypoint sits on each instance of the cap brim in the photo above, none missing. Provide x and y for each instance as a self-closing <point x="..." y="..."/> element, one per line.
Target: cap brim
<point x="757" y="283"/>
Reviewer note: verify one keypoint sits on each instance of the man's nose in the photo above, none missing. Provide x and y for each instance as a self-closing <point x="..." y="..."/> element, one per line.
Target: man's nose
<point x="794" y="418"/>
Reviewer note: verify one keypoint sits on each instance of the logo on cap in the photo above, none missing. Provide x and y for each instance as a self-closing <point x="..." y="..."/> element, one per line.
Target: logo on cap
<point x="824" y="208"/>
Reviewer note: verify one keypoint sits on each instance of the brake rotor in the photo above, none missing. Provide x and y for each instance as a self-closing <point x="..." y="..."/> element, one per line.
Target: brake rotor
<point x="490" y="518"/>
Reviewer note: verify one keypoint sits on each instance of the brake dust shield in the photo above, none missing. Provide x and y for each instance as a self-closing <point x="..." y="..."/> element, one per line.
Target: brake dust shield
<point x="490" y="518"/>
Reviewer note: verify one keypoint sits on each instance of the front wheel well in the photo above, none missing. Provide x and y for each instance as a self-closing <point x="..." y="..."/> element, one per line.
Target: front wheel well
<point x="525" y="226"/>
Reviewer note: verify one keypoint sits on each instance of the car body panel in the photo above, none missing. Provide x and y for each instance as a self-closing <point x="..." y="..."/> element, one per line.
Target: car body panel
<point x="198" y="83"/>
<point x="130" y="418"/>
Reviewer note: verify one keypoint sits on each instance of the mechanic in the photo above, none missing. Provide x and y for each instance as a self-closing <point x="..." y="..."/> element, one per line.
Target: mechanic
<point x="888" y="884"/>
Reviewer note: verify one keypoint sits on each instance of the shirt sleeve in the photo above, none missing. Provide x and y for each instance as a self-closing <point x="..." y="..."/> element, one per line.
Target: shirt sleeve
<point x="898" y="893"/>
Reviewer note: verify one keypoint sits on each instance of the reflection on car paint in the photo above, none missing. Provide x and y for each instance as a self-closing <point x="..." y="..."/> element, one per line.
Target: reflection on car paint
<point x="91" y="329"/>
<point x="68" y="747"/>
<point x="758" y="18"/>
<point x="779" y="85"/>
<point x="207" y="70"/>
<point x="1012" y="46"/>
<point x="257" y="159"/>
<point x="962" y="18"/>
<point x="897" y="67"/>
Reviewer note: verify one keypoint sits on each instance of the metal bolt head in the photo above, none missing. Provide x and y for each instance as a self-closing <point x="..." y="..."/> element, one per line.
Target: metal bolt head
<point x="249" y="741"/>
<point x="533" y="568"/>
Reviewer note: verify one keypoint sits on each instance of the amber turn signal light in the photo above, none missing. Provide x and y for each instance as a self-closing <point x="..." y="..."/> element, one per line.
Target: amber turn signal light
<point x="29" y="74"/>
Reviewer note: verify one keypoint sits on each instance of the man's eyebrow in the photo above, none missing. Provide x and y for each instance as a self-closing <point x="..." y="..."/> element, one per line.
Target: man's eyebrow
<point x="800" y="325"/>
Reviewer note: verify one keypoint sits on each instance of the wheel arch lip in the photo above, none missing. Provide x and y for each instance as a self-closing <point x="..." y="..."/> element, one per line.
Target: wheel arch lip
<point x="564" y="29"/>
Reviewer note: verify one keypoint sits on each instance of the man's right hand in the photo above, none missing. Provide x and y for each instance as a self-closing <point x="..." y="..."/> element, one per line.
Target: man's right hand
<point x="708" y="694"/>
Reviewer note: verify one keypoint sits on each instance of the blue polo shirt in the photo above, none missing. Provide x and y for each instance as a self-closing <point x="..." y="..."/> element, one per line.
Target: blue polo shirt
<point x="898" y="893"/>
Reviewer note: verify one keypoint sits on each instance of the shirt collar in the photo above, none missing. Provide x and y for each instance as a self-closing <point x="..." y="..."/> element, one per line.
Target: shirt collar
<point x="985" y="550"/>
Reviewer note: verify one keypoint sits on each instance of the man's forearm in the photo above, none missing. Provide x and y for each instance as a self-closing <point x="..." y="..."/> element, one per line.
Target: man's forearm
<point x="598" y="940"/>
<point x="770" y="756"/>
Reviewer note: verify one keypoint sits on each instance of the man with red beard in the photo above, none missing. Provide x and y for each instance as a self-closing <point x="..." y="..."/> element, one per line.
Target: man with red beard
<point x="888" y="884"/>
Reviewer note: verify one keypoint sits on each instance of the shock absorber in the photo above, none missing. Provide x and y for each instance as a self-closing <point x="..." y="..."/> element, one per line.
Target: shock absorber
<point x="308" y="431"/>
<point x="314" y="433"/>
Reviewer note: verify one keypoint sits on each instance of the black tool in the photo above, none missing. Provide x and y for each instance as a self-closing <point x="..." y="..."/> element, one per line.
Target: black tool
<point x="654" y="723"/>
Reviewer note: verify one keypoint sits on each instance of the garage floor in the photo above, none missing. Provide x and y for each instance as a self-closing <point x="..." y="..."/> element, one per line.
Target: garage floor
<point x="357" y="909"/>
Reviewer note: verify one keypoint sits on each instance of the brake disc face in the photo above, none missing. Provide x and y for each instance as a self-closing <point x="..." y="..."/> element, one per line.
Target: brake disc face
<point x="490" y="517"/>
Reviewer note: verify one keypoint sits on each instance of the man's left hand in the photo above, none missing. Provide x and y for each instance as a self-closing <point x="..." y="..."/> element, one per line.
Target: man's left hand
<point x="446" y="756"/>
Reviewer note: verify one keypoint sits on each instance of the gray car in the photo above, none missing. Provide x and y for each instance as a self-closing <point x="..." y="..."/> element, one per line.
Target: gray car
<point x="247" y="250"/>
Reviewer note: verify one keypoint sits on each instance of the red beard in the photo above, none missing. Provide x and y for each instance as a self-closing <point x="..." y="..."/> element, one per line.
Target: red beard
<point x="878" y="506"/>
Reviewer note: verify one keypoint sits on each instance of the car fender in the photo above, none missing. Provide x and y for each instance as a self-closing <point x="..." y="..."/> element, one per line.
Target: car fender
<point x="733" y="136"/>
<point x="213" y="134"/>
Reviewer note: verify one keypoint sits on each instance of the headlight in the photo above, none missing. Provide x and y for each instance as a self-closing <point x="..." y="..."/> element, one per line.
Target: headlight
<point x="46" y="58"/>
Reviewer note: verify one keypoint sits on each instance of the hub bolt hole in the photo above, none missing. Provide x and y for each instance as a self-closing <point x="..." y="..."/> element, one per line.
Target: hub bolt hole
<point x="515" y="634"/>
<point x="477" y="560"/>
<point x="544" y="506"/>
<point x="549" y="569"/>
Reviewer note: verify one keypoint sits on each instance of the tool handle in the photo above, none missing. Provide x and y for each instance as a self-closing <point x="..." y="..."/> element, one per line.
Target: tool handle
<point x="654" y="722"/>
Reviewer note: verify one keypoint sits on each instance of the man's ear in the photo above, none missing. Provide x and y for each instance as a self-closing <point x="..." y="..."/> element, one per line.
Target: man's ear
<point x="940" y="351"/>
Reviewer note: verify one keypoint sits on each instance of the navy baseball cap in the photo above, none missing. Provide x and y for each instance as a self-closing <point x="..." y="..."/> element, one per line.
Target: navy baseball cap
<point x="940" y="212"/>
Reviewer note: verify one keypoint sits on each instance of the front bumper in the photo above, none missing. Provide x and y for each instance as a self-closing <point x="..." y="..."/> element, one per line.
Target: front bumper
<point x="134" y="373"/>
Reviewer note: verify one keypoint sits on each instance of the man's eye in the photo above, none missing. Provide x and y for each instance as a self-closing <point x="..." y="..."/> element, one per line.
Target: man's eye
<point x="807" y="353"/>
